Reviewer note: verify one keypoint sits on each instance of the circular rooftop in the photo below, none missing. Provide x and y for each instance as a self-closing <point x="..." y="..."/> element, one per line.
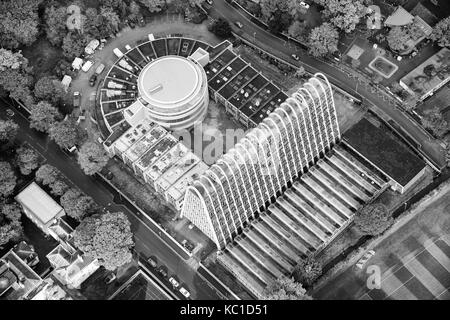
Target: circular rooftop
<point x="168" y="80"/>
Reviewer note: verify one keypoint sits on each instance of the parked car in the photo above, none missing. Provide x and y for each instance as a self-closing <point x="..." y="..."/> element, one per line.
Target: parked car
<point x="184" y="292"/>
<point x="191" y="226"/>
<point x="9" y="113"/>
<point x="93" y="80"/>
<point x="152" y="262"/>
<point x="369" y="254"/>
<point x="131" y="24"/>
<point x="76" y="99"/>
<point x="162" y="271"/>
<point x="100" y="69"/>
<point x="71" y="149"/>
<point x="188" y="245"/>
<point x="110" y="278"/>
<point x="141" y="21"/>
<point x="304" y="4"/>
<point x="174" y="282"/>
<point x="87" y="65"/>
<point x="239" y="24"/>
<point x="296" y="57"/>
<point x="118" y="53"/>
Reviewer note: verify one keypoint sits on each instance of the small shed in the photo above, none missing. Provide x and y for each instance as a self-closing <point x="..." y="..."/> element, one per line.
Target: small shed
<point x="77" y="63"/>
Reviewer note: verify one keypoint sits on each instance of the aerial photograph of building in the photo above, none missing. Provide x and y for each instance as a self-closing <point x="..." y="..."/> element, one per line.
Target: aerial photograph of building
<point x="221" y="150"/>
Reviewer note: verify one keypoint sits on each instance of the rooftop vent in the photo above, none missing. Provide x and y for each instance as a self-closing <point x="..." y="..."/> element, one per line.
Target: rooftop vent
<point x="155" y="89"/>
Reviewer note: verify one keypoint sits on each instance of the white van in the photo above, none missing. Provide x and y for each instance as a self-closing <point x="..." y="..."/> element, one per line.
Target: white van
<point x="118" y="53"/>
<point x="100" y="68"/>
<point x="151" y="37"/>
<point x="87" y="65"/>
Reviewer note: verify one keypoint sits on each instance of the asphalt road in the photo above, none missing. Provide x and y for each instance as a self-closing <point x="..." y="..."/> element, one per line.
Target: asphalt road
<point x="276" y="46"/>
<point x="147" y="241"/>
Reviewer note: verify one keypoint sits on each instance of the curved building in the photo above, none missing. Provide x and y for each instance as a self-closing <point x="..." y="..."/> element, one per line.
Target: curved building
<point x="174" y="91"/>
<point x="259" y="169"/>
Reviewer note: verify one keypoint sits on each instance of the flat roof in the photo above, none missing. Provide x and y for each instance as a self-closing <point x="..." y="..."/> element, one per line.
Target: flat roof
<point x="377" y="145"/>
<point x="168" y="79"/>
<point x="39" y="203"/>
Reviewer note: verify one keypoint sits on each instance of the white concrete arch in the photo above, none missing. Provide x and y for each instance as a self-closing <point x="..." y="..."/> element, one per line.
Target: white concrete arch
<point x="327" y="107"/>
<point x="278" y="141"/>
<point x="226" y="199"/>
<point x="207" y="179"/>
<point x="300" y="100"/>
<point x="251" y="144"/>
<point x="297" y="153"/>
<point x="313" y="106"/>
<point x="275" y="114"/>
<point x="214" y="210"/>
<point x="332" y="100"/>
<point x="320" y="111"/>
<point x="264" y="125"/>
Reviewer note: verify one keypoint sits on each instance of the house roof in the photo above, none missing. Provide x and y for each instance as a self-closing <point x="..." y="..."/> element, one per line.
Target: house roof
<point x="39" y="203"/>
<point x="399" y="17"/>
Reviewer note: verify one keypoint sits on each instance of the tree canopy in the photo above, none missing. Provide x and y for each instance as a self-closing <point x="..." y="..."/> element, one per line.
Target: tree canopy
<point x="50" y="89"/>
<point x="49" y="176"/>
<point x="19" y="22"/>
<point x="92" y="158"/>
<point x="77" y="205"/>
<point x="345" y="14"/>
<point x="65" y="133"/>
<point x="10" y="225"/>
<point x="8" y="133"/>
<point x="106" y="237"/>
<point x="153" y="5"/>
<point x="15" y="76"/>
<point x="220" y="28"/>
<point x="27" y="159"/>
<point x="323" y="40"/>
<point x="373" y="219"/>
<point x="307" y="271"/>
<point x="434" y="120"/>
<point x="7" y="179"/>
<point x="397" y="38"/>
<point x="285" y="288"/>
<point x="74" y="44"/>
<point x="55" y="24"/>
<point x="441" y="33"/>
<point x="43" y="115"/>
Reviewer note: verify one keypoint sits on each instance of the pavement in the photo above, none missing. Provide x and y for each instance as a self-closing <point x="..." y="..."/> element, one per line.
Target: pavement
<point x="283" y="49"/>
<point x="148" y="242"/>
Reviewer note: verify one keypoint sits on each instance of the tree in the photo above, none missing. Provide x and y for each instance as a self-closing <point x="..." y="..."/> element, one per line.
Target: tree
<point x="59" y="187"/>
<point x="441" y="33"/>
<point x="307" y="271"/>
<point x="27" y="159"/>
<point x="92" y="158"/>
<point x="10" y="225"/>
<point x="47" y="174"/>
<point x="43" y="115"/>
<point x="50" y="89"/>
<point x="74" y="44"/>
<point x="279" y="21"/>
<point x="77" y="205"/>
<point x="106" y="237"/>
<point x="300" y="72"/>
<point x="397" y="38"/>
<point x="432" y="119"/>
<point x="270" y="7"/>
<point x="153" y="5"/>
<point x="55" y="24"/>
<point x="134" y="10"/>
<point x="109" y="22"/>
<point x="373" y="219"/>
<point x="65" y="133"/>
<point x="285" y="288"/>
<point x="220" y="28"/>
<point x="18" y="22"/>
<point x="15" y="75"/>
<point x="447" y="149"/>
<point x="8" y="133"/>
<point x="297" y="30"/>
<point x="323" y="40"/>
<point x="7" y="179"/>
<point x="345" y="14"/>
